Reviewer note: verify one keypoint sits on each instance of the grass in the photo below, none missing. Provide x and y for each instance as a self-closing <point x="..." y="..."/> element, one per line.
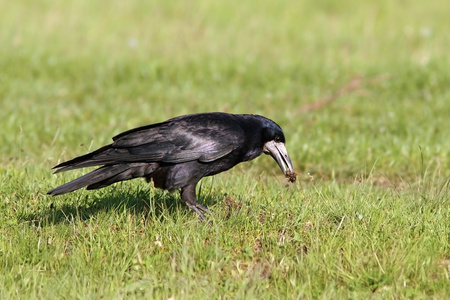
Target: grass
<point x="367" y="218"/>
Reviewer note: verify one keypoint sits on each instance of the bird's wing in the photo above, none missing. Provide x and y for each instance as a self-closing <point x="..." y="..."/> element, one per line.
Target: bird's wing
<point x="180" y="140"/>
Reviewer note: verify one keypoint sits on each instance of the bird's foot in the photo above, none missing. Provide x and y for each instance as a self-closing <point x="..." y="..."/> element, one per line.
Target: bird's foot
<point x="188" y="196"/>
<point x="199" y="209"/>
<point x="203" y="208"/>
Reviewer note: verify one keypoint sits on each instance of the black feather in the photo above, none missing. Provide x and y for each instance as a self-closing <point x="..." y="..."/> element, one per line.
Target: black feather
<point x="176" y="153"/>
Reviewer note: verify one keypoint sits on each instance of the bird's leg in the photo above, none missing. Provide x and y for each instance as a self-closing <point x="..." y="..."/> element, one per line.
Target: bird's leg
<point x="189" y="197"/>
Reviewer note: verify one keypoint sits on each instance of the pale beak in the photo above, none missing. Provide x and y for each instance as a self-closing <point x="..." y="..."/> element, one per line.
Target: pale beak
<point x="279" y="153"/>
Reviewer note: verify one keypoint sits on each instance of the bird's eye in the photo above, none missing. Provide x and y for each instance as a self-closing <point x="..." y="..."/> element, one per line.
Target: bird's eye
<point x="277" y="139"/>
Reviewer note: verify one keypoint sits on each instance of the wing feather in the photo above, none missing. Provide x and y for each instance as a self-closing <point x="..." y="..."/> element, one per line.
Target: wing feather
<point x="182" y="139"/>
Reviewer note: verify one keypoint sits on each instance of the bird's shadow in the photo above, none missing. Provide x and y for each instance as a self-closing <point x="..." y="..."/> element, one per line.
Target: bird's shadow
<point x="150" y="203"/>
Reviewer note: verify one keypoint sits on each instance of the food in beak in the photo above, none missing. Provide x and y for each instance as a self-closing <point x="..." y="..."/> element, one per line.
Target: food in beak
<point x="278" y="151"/>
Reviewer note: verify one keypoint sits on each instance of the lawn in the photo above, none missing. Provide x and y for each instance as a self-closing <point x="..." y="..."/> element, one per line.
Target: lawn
<point x="360" y="88"/>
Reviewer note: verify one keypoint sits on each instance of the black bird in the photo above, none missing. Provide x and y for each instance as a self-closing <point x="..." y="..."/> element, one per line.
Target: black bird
<point x="177" y="153"/>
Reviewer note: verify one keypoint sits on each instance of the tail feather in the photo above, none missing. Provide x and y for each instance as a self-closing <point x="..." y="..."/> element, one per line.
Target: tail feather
<point x="105" y="176"/>
<point x="135" y="170"/>
<point x="98" y="157"/>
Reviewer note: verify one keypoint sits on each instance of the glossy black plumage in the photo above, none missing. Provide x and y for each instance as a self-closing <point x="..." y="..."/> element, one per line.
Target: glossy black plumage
<point x="177" y="153"/>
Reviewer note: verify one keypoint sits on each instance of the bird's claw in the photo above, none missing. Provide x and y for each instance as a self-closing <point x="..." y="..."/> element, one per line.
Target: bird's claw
<point x="199" y="209"/>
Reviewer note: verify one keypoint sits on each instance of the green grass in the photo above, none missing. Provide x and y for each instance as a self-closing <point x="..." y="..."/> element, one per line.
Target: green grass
<point x="369" y="217"/>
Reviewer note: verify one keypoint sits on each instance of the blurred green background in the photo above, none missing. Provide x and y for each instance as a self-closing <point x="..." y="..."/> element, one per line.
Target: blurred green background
<point x="88" y="70"/>
<point x="361" y="89"/>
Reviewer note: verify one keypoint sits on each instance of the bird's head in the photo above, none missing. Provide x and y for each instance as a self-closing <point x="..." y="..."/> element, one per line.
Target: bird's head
<point x="274" y="145"/>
